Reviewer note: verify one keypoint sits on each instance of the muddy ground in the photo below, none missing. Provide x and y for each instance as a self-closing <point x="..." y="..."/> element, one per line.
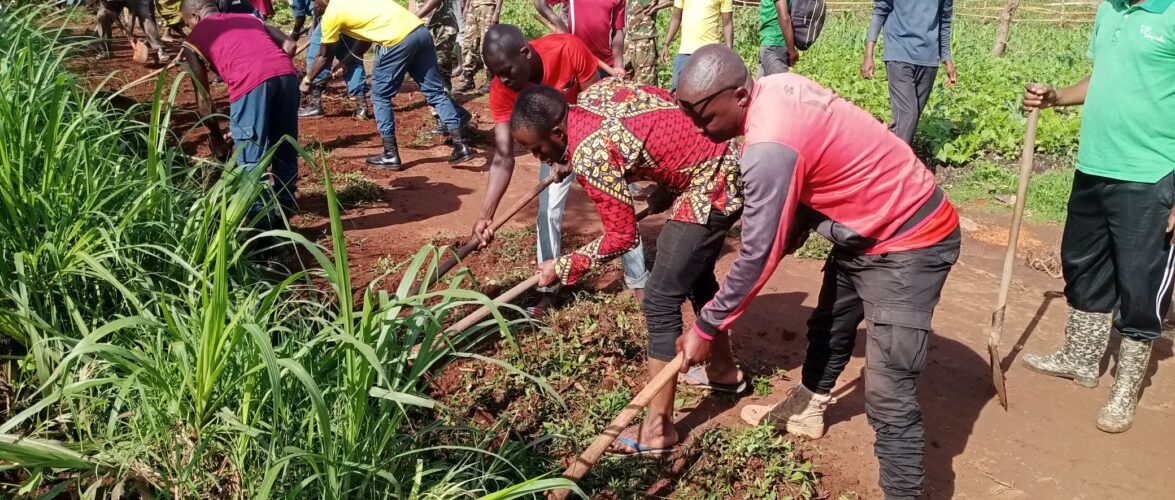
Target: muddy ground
<point x="1044" y="446"/>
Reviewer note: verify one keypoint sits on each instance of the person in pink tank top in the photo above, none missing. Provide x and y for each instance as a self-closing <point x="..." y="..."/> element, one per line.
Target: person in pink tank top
<point x="255" y="62"/>
<point x="813" y="161"/>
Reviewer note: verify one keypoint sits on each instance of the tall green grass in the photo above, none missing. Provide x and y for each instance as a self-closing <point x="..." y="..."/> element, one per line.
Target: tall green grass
<point x="152" y="353"/>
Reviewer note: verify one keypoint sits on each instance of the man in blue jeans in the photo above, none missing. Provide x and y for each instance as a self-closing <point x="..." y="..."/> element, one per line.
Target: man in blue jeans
<point x="355" y="76"/>
<point x="405" y="48"/>
<point x="262" y="89"/>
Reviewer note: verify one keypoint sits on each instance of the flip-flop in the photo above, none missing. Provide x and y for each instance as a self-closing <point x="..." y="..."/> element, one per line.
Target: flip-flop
<point x="640" y="450"/>
<point x="698" y="374"/>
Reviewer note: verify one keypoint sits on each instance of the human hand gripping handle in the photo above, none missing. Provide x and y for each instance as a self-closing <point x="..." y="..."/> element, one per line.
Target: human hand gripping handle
<point x="694" y="348"/>
<point x="1039" y="96"/>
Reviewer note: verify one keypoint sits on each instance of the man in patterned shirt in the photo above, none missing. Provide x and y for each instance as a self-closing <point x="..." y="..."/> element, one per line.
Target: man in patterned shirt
<point x="621" y="133"/>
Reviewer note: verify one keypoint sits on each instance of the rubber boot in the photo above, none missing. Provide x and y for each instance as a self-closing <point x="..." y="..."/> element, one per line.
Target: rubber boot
<point x="1086" y="337"/>
<point x="801" y="414"/>
<point x="361" y="112"/>
<point x="467" y="84"/>
<point x="1118" y="413"/>
<point x="485" y="87"/>
<point x="390" y="158"/>
<point x="461" y="149"/>
<point x="313" y="107"/>
<point x="439" y="128"/>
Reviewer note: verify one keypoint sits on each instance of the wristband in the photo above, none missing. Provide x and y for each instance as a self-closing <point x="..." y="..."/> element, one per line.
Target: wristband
<point x="306" y="80"/>
<point x="705" y="336"/>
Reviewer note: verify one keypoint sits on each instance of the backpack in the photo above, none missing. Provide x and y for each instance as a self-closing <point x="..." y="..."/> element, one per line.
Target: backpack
<point x="807" y="17"/>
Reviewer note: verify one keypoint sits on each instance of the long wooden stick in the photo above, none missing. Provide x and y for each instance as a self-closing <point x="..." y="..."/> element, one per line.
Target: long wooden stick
<point x="173" y="64"/>
<point x="590" y="456"/>
<point x="997" y="316"/>
<point x="472" y="245"/>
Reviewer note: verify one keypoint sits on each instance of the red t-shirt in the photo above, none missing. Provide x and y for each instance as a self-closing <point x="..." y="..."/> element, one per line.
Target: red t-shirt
<point x="594" y="22"/>
<point x="264" y="7"/>
<point x="567" y="63"/>
<point x="237" y="47"/>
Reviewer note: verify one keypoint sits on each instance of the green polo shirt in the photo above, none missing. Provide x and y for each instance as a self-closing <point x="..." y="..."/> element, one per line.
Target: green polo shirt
<point x="1127" y="132"/>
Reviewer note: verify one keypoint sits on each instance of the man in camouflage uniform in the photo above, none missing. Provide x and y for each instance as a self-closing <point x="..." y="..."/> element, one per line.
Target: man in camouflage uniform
<point x="479" y="16"/>
<point x="641" y="46"/>
<point x="442" y="24"/>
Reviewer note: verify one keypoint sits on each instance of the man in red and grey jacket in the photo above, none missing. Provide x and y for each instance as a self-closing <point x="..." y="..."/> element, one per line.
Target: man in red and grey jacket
<point x="814" y="161"/>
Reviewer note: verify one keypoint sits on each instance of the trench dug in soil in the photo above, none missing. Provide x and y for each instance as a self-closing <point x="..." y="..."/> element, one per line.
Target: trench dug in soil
<point x="1044" y="446"/>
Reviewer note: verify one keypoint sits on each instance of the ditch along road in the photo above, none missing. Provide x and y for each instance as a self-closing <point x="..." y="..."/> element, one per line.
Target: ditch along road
<point x="1044" y="446"/>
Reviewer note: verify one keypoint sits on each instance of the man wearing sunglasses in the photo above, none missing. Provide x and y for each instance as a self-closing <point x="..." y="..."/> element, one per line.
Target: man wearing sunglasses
<point x="814" y="161"/>
<point x="622" y="133"/>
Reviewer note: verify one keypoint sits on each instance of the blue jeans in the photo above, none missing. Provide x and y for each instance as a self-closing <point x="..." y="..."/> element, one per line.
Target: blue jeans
<point x="301" y="8"/>
<point x="259" y="120"/>
<point x="552" y="202"/>
<point x="416" y="56"/>
<point x="356" y="77"/>
<point x="678" y="63"/>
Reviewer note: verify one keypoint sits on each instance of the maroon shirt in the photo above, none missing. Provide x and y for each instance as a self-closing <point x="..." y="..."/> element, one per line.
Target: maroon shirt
<point x="237" y="47"/>
<point x="594" y="22"/>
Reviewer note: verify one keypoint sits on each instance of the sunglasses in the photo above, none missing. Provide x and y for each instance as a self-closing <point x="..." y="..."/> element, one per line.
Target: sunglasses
<point x="698" y="107"/>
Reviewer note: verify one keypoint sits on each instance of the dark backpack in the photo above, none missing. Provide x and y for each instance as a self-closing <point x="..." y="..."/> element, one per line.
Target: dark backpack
<point x="807" y="18"/>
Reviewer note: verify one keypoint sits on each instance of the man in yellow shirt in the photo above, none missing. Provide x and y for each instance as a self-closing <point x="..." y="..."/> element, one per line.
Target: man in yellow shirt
<point x="699" y="21"/>
<point x="404" y="47"/>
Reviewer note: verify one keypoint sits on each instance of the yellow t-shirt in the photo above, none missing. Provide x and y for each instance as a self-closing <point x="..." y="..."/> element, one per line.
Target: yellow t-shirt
<point x="384" y="22"/>
<point x="701" y="22"/>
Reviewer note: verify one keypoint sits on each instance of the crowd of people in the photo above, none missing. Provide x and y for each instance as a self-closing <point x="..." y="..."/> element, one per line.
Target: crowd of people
<point x="585" y="102"/>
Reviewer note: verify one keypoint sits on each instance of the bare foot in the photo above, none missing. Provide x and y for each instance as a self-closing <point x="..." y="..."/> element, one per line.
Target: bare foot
<point x="656" y="435"/>
<point x="728" y="376"/>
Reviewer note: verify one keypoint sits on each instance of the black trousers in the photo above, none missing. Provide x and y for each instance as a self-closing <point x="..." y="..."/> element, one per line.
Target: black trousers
<point x="684" y="269"/>
<point x="895" y="294"/>
<point x="1116" y="252"/>
<point x="909" y="89"/>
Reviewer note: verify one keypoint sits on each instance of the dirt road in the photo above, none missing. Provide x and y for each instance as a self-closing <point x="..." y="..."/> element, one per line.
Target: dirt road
<point x="1045" y="446"/>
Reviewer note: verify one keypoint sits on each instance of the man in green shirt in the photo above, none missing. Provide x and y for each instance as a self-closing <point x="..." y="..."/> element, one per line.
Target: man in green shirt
<point x="777" y="45"/>
<point x="1116" y="251"/>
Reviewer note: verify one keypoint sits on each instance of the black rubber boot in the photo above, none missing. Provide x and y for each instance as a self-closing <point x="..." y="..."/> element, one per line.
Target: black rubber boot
<point x="467" y="84"/>
<point x="440" y="128"/>
<point x="361" y="112"/>
<point x="390" y="158"/>
<point x="313" y="107"/>
<point x="462" y="151"/>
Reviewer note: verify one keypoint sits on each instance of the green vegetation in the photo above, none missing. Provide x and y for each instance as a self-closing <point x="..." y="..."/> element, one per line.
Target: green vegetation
<point x="151" y="354"/>
<point x="992" y="187"/>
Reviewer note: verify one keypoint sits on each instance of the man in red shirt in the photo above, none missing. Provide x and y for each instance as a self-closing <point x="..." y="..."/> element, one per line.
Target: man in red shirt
<point x="622" y="133"/>
<point x="254" y="60"/>
<point x="599" y="23"/>
<point x="560" y="61"/>
<point x="814" y="161"/>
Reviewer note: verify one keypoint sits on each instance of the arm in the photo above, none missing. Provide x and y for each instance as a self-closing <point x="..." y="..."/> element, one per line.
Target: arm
<point x="944" y="42"/>
<point x="425" y="9"/>
<point x="501" y="169"/>
<point x="497" y="10"/>
<point x="789" y="35"/>
<point x="545" y="11"/>
<point x="1039" y="95"/>
<point x="287" y="44"/>
<point x="199" y="71"/>
<point x="620" y="229"/>
<point x="771" y="179"/>
<point x="881" y="10"/>
<point x="618" y="38"/>
<point x="728" y="28"/>
<point x="674" y="25"/>
<point x="653" y="9"/>
<point x="326" y="53"/>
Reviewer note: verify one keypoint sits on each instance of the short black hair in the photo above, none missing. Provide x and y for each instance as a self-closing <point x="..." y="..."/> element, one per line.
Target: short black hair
<point x="502" y="40"/>
<point x="197" y="5"/>
<point x="538" y="109"/>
